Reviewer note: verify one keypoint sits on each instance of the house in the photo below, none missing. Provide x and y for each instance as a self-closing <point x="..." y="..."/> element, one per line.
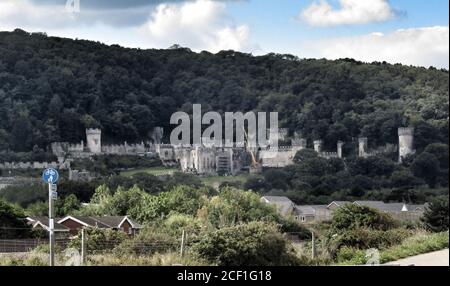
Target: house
<point x="119" y="223"/>
<point x="310" y="213"/>
<point x="305" y="213"/>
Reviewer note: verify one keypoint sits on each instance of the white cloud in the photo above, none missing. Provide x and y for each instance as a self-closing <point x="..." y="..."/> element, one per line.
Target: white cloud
<point x="427" y="46"/>
<point x="24" y="14"/>
<point x="351" y="12"/>
<point x="199" y="25"/>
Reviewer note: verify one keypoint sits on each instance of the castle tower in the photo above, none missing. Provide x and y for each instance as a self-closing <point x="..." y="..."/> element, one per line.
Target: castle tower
<point x="339" y="148"/>
<point x="318" y="146"/>
<point x="299" y="143"/>
<point x="405" y="142"/>
<point x="94" y="140"/>
<point x="363" y="146"/>
<point x="302" y="144"/>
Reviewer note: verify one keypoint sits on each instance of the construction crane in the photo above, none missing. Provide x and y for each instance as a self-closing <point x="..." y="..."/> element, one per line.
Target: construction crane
<point x="256" y="165"/>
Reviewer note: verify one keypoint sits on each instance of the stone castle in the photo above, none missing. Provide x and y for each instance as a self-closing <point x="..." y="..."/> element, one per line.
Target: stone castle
<point x="205" y="159"/>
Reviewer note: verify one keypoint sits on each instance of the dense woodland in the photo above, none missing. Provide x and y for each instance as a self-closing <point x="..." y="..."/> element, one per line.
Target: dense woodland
<point x="52" y="88"/>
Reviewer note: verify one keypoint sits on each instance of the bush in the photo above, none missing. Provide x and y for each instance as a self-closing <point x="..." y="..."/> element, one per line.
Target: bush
<point x="436" y="215"/>
<point x="99" y="240"/>
<point x="365" y="238"/>
<point x="414" y="245"/>
<point x="354" y="216"/>
<point x="176" y="223"/>
<point x="419" y="244"/>
<point x="251" y="244"/>
<point x="351" y="256"/>
<point x="150" y="240"/>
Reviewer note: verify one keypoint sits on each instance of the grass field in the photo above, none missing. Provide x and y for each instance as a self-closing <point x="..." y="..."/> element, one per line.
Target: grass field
<point x="156" y="171"/>
<point x="217" y="180"/>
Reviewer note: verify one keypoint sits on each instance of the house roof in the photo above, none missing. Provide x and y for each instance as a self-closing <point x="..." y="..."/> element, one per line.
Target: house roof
<point x="390" y="207"/>
<point x="339" y="203"/>
<point x="284" y="204"/>
<point x="102" y="221"/>
<point x="305" y="210"/>
<point x="115" y="221"/>
<point x="42" y="221"/>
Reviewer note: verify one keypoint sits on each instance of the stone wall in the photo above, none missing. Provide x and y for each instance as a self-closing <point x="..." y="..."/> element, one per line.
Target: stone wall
<point x="33" y="165"/>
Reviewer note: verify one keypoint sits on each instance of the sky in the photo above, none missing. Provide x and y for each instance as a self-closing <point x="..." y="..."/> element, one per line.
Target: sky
<point x="411" y="32"/>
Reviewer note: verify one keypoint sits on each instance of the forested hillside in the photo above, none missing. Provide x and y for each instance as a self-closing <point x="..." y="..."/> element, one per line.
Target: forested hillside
<point x="52" y="88"/>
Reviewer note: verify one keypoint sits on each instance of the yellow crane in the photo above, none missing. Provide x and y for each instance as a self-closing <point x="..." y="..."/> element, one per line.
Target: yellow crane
<point x="256" y="165"/>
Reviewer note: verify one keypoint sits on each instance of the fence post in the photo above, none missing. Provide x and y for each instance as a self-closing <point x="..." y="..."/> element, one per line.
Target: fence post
<point x="83" y="246"/>
<point x="183" y="238"/>
<point x="313" y="245"/>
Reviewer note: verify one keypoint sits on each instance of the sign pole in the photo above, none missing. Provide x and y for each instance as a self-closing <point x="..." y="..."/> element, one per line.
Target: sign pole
<point x="51" y="224"/>
<point x="50" y="176"/>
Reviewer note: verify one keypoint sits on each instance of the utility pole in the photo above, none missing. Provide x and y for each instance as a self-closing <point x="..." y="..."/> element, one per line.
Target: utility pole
<point x="183" y="240"/>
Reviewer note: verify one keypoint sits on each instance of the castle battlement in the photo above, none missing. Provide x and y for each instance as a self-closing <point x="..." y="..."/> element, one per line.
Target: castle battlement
<point x="364" y="140"/>
<point x="93" y="131"/>
<point x="406" y="131"/>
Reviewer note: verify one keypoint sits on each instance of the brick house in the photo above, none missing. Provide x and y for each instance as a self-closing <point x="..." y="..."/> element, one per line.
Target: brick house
<point x="119" y="223"/>
<point x="311" y="213"/>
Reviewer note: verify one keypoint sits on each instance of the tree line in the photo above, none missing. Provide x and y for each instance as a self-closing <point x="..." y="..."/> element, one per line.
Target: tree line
<point x="51" y="89"/>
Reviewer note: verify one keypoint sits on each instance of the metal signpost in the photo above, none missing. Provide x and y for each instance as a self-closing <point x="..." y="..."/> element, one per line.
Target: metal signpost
<point x="51" y="176"/>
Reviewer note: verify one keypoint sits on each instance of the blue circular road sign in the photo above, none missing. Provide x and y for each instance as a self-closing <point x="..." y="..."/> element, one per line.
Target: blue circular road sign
<point x="50" y="176"/>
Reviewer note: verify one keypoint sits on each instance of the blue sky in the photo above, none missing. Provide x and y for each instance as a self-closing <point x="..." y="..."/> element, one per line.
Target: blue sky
<point x="413" y="32"/>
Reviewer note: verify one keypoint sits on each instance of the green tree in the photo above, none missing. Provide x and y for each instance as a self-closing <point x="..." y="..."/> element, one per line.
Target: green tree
<point x="12" y="222"/>
<point x="67" y="206"/>
<point x="426" y="167"/>
<point x="305" y="154"/>
<point x="436" y="215"/>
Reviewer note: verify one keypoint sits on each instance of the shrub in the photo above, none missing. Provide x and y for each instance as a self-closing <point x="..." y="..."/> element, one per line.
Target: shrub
<point x="351" y="256"/>
<point x="150" y="240"/>
<point x="436" y="215"/>
<point x="354" y="216"/>
<point x="365" y="238"/>
<point x="251" y="244"/>
<point x="99" y="240"/>
<point x="176" y="223"/>
<point x="419" y="244"/>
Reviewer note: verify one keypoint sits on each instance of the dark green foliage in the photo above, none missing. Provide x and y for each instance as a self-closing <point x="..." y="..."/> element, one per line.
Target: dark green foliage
<point x="26" y="194"/>
<point x="146" y="182"/>
<point x="436" y="215"/>
<point x="366" y="238"/>
<point x="107" y="164"/>
<point x="127" y="92"/>
<point x="362" y="227"/>
<point x="37" y="155"/>
<point x="426" y="167"/>
<point x="353" y="216"/>
<point x="252" y="244"/>
<point x="67" y="206"/>
<point x="304" y="155"/>
<point x="12" y="222"/>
